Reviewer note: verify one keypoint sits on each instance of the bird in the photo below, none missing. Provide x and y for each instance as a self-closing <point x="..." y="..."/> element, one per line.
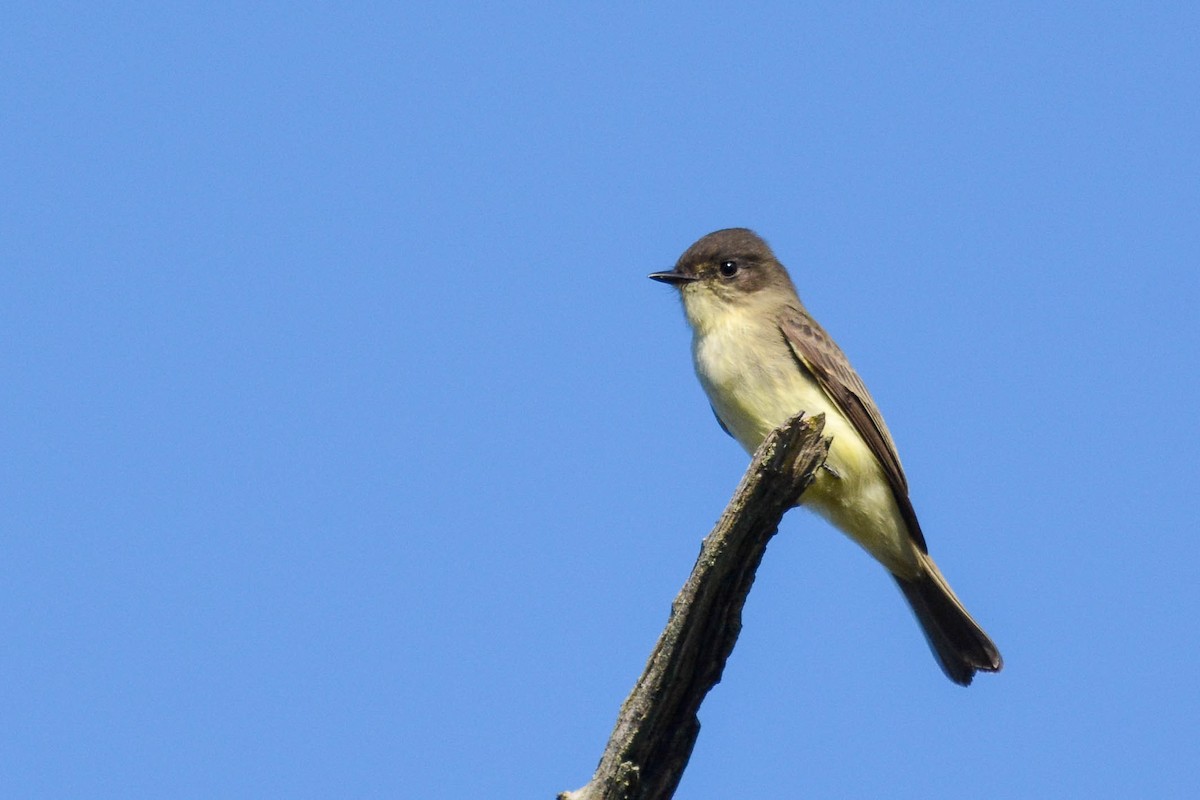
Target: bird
<point x="761" y="358"/>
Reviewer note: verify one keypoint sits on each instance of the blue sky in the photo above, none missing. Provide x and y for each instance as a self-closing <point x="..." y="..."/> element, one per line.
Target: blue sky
<point x="348" y="452"/>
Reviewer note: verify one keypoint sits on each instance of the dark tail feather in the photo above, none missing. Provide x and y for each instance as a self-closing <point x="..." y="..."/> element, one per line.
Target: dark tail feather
<point x="961" y="646"/>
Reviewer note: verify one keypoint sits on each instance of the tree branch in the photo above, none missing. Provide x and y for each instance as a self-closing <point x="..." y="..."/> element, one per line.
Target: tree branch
<point x="657" y="726"/>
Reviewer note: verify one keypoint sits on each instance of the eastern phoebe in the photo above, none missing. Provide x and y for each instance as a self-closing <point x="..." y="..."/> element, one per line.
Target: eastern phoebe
<point x="761" y="358"/>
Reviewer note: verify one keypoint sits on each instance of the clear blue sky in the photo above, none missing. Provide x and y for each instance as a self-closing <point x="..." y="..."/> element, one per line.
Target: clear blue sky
<point x="348" y="452"/>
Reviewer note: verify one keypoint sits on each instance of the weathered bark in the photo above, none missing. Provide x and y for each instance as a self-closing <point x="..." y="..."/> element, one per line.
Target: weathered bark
<point x="658" y="724"/>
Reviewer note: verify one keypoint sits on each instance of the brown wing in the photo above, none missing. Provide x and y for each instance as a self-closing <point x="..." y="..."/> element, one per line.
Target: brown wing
<point x="823" y="359"/>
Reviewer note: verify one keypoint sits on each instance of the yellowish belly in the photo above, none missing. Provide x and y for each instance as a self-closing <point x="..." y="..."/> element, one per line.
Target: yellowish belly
<point x="753" y="396"/>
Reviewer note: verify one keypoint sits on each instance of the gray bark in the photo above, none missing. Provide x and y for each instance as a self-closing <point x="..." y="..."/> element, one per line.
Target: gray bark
<point x="658" y="725"/>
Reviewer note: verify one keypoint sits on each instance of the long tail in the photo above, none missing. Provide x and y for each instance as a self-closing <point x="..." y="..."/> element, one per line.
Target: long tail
<point x="961" y="646"/>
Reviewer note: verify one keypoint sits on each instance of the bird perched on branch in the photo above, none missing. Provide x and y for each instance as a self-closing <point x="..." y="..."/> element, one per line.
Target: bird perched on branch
<point x="761" y="358"/>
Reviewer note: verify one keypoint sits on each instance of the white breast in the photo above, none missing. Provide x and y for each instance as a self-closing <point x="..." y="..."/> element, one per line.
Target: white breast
<point x="754" y="384"/>
<point x="751" y="378"/>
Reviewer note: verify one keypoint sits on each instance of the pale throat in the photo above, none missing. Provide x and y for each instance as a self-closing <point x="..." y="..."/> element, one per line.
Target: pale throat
<point x="752" y="379"/>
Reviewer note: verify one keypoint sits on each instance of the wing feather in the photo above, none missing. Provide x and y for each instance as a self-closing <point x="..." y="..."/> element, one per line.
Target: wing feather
<point x="820" y="356"/>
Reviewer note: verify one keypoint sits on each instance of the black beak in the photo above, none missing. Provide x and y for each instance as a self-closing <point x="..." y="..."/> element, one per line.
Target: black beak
<point x="673" y="278"/>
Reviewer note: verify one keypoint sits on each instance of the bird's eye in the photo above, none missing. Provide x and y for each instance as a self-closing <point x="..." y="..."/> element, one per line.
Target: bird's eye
<point x="729" y="268"/>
